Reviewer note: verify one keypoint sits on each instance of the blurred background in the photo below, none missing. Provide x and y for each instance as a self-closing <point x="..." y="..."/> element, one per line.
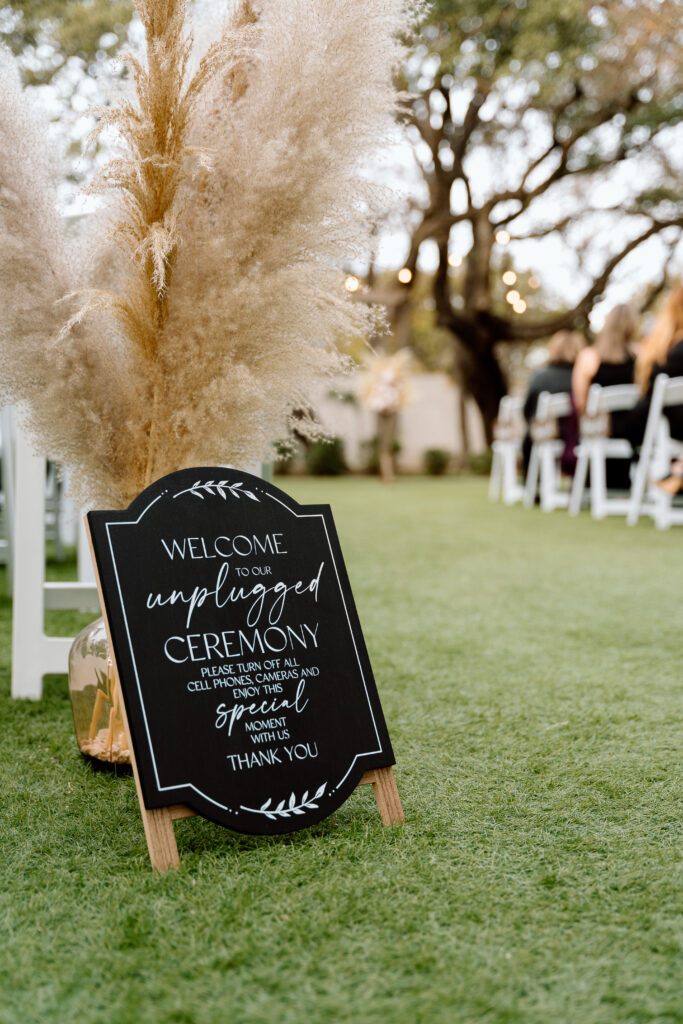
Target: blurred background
<point x="533" y="182"/>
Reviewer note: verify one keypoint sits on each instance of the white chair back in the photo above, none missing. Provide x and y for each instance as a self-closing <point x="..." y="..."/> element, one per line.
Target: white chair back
<point x="553" y="407"/>
<point x="656" y="453"/>
<point x="616" y="398"/>
<point x="544" y="469"/>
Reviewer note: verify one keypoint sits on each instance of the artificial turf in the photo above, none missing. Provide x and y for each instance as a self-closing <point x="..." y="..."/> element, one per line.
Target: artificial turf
<point x="529" y="669"/>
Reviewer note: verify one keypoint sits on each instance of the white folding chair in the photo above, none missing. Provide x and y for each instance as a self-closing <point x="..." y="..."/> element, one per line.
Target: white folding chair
<point x="507" y="444"/>
<point x="33" y="653"/>
<point x="7" y="496"/>
<point x="656" y="454"/>
<point x="596" y="446"/>
<point x="546" y="449"/>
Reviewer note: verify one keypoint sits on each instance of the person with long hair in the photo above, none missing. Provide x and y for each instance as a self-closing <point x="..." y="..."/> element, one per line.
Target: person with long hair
<point x="661" y="351"/>
<point x="609" y="361"/>
<point x="555" y="377"/>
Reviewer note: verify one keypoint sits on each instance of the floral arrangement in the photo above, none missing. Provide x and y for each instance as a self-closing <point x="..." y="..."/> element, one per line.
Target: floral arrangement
<point x="385" y="384"/>
<point x="207" y="297"/>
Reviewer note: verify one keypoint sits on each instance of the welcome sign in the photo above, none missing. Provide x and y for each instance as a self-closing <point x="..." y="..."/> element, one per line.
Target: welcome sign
<point x="247" y="685"/>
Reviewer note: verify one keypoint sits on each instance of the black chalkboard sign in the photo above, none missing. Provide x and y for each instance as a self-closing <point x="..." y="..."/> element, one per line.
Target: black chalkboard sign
<point x="246" y="680"/>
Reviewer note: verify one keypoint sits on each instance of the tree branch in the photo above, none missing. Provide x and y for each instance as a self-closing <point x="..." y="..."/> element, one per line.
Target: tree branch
<point x="529" y="330"/>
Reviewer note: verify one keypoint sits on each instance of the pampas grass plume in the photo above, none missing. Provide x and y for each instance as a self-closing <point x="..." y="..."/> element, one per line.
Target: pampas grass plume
<point x="211" y="300"/>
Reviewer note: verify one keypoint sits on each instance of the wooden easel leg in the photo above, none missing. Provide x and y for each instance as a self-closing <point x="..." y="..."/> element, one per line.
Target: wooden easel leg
<point x="163" y="850"/>
<point x="386" y="794"/>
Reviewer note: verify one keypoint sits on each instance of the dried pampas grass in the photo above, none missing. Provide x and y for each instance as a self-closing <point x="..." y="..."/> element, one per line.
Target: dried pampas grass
<point x="213" y="298"/>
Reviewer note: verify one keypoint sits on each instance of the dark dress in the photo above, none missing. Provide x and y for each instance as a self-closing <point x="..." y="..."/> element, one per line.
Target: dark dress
<point x="617" y="471"/>
<point x="637" y="419"/>
<point x="555" y="378"/>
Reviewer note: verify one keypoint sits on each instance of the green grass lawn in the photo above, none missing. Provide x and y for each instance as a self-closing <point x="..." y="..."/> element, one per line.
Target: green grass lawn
<point x="529" y="667"/>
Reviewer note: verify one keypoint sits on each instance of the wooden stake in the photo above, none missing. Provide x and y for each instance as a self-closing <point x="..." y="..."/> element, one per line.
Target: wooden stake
<point x="386" y="794"/>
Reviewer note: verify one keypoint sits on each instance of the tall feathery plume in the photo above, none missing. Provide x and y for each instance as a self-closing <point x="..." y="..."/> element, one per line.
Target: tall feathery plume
<point x="214" y="300"/>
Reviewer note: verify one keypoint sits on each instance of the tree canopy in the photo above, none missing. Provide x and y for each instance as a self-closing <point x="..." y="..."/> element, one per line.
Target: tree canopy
<point x="48" y="32"/>
<point x="522" y="115"/>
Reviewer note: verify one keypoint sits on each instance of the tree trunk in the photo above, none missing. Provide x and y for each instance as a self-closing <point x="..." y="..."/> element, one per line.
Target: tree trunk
<point x="482" y="377"/>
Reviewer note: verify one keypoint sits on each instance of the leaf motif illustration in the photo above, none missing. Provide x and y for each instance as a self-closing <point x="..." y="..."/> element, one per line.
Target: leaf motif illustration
<point x="304" y="798"/>
<point x="238" y="484"/>
<point x="271" y="816"/>
<point x="311" y="806"/>
<point x="320" y="791"/>
<point x="292" y="801"/>
<point x="280" y="805"/>
<point x="250" y="495"/>
<point x="267" y="804"/>
<point x="297" y="810"/>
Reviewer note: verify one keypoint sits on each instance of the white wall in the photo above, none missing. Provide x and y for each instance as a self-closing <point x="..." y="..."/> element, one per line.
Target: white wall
<point x="432" y="421"/>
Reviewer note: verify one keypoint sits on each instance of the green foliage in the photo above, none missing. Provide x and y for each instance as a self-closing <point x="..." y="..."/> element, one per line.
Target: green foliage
<point x="528" y="666"/>
<point x="370" y="448"/>
<point x="480" y="463"/>
<point x="325" y="457"/>
<point x="479" y="38"/>
<point x="436" y="461"/>
<point x="72" y="28"/>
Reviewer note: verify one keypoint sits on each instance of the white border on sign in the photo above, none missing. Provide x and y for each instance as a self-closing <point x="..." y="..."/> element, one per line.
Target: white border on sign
<point x="189" y="785"/>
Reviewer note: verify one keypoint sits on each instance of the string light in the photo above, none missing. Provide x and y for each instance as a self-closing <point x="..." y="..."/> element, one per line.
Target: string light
<point x="405" y="275"/>
<point x="512" y="297"/>
<point x="534" y="282"/>
<point x="454" y="261"/>
<point x="503" y="237"/>
<point x="520" y="307"/>
<point x="352" y="284"/>
<point x="509" y="277"/>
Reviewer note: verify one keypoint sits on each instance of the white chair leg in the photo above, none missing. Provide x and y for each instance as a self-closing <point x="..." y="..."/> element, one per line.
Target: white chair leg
<point x="598" y="486"/>
<point x="639" y="484"/>
<point x="662" y="509"/>
<point x="510" y="486"/>
<point x="548" y="476"/>
<point x="28" y="609"/>
<point x="579" y="484"/>
<point x="531" y="484"/>
<point x="496" y="475"/>
<point x="8" y="487"/>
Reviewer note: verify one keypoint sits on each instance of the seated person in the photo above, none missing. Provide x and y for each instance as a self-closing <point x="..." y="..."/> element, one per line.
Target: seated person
<point x="661" y="351"/>
<point x="609" y="361"/>
<point x="555" y="377"/>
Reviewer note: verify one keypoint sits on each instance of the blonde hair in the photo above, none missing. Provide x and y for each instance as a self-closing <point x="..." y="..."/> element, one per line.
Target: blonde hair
<point x="564" y="346"/>
<point x="654" y="348"/>
<point x="611" y="344"/>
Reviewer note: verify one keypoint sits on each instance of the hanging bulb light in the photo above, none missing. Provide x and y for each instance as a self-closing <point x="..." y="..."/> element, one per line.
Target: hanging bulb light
<point x="503" y="236"/>
<point x="509" y="277"/>
<point x="512" y="297"/>
<point x="352" y="284"/>
<point x="454" y="261"/>
<point x="405" y="275"/>
<point x="520" y="306"/>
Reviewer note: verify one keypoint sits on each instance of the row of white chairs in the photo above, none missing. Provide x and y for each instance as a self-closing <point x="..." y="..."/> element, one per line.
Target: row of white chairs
<point x="595" y="447"/>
